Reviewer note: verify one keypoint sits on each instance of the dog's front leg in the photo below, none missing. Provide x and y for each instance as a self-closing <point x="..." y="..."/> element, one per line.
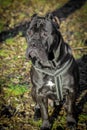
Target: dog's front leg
<point x="70" y="109"/>
<point x="43" y="103"/>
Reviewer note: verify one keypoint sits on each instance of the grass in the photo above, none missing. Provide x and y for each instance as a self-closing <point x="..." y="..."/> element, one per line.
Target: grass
<point x="13" y="65"/>
<point x="82" y="118"/>
<point x="15" y="90"/>
<point x="5" y="3"/>
<point x="35" y="123"/>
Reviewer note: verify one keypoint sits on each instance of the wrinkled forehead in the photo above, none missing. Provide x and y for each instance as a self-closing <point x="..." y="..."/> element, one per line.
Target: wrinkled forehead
<point x="42" y="24"/>
<point x="49" y="26"/>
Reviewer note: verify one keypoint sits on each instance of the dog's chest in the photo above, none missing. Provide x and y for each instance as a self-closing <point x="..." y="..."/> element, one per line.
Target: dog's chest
<point x="53" y="87"/>
<point x="50" y="84"/>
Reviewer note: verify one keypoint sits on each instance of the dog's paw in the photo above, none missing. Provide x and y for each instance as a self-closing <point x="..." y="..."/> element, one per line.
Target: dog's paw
<point x="71" y="126"/>
<point x="46" y="126"/>
<point x="71" y="123"/>
<point x="37" y="114"/>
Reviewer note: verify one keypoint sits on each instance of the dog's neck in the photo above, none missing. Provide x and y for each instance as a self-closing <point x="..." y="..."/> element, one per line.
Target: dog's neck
<point x="56" y="74"/>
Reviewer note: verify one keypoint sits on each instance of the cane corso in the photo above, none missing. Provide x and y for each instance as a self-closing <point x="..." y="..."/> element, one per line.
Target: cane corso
<point x="54" y="72"/>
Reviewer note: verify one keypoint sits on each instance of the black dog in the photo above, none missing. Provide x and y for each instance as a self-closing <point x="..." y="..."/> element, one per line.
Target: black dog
<point x="54" y="73"/>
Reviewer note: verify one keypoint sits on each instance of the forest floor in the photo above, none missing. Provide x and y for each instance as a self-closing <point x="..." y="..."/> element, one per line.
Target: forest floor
<point x="16" y="104"/>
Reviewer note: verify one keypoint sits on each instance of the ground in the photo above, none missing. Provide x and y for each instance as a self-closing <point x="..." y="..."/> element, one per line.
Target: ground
<point x="16" y="104"/>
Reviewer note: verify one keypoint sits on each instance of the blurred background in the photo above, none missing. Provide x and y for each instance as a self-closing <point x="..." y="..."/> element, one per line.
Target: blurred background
<point x="16" y="105"/>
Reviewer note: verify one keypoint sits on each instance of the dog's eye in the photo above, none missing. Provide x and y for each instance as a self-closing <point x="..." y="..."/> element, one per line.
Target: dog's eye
<point x="46" y="47"/>
<point x="44" y="34"/>
<point x="30" y="32"/>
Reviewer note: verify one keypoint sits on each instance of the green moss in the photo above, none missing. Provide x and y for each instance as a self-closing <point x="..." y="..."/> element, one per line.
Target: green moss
<point x="1" y="26"/>
<point x="9" y="41"/>
<point x="3" y="53"/>
<point x="83" y="118"/>
<point x="15" y="90"/>
<point x="59" y="123"/>
<point x="35" y="123"/>
<point x="5" y="3"/>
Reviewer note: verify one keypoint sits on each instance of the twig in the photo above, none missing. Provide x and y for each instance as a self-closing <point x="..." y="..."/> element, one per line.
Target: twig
<point x="79" y="48"/>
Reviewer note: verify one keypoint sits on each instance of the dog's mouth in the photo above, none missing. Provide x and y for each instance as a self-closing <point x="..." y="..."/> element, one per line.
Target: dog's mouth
<point x="51" y="56"/>
<point x="32" y="55"/>
<point x="37" y="59"/>
<point x="40" y="57"/>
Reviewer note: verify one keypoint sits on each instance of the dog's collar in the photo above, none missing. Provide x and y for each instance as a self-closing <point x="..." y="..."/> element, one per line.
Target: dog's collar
<point x="57" y="76"/>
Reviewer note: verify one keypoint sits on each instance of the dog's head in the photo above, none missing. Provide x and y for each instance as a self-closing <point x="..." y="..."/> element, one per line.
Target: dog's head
<point x="42" y="36"/>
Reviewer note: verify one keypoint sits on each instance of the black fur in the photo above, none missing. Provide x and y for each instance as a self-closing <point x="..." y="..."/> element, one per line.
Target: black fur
<point x="48" y="51"/>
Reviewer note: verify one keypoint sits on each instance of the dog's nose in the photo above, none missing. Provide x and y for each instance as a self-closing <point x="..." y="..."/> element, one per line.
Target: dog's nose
<point x="32" y="54"/>
<point x="33" y="44"/>
<point x="29" y="56"/>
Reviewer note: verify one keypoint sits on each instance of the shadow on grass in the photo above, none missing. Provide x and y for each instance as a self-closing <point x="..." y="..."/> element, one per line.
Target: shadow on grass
<point x="70" y="7"/>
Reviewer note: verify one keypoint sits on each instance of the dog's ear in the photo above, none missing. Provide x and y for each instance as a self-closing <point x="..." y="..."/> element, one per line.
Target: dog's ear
<point x="49" y="16"/>
<point x="56" y="21"/>
<point x="33" y="16"/>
